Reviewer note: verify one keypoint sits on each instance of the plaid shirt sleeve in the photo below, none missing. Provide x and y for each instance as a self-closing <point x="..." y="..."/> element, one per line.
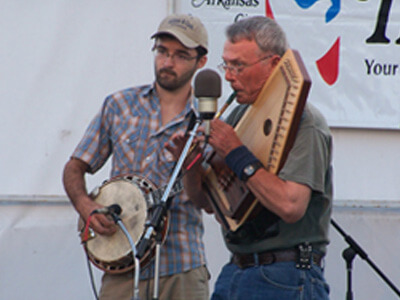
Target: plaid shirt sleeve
<point x="95" y="147"/>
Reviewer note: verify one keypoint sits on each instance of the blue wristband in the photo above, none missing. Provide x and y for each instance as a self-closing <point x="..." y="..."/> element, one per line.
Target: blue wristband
<point x="238" y="159"/>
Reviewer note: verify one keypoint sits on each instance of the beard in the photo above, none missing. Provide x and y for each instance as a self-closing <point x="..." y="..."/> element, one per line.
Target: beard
<point x="170" y="81"/>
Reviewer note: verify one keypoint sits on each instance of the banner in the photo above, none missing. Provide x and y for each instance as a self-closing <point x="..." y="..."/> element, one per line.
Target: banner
<point x="350" y="49"/>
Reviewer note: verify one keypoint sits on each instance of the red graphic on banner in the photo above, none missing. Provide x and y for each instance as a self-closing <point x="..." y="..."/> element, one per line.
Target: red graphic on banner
<point x="328" y="65"/>
<point x="268" y="10"/>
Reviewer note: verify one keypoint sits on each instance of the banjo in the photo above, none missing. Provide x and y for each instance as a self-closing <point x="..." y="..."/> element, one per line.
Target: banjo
<point x="137" y="196"/>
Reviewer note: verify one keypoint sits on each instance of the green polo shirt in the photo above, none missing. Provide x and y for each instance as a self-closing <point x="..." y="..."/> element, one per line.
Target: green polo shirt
<point x="309" y="163"/>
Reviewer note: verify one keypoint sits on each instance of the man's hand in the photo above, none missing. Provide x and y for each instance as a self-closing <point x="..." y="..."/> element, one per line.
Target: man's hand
<point x="100" y="223"/>
<point x="178" y="142"/>
<point x="193" y="179"/>
<point x="74" y="184"/>
<point x="223" y="138"/>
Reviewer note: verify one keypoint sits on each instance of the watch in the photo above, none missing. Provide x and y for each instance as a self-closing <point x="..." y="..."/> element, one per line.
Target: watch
<point x="250" y="170"/>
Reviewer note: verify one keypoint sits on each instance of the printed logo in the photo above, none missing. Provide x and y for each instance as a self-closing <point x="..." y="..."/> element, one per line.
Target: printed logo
<point x="328" y="64"/>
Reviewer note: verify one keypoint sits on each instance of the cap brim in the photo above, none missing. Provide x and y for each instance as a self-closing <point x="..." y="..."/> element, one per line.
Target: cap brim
<point x="180" y="37"/>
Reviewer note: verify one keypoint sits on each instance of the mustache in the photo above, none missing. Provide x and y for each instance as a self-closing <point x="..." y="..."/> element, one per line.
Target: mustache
<point x="167" y="71"/>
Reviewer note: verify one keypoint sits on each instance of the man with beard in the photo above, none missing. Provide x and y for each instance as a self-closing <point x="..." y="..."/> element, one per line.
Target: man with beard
<point x="132" y="126"/>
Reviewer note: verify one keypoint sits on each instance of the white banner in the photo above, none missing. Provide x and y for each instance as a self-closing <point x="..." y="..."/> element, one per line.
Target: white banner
<point x="350" y="48"/>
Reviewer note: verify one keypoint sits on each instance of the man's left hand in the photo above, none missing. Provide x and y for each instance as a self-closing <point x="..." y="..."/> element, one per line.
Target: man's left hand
<point x="223" y="138"/>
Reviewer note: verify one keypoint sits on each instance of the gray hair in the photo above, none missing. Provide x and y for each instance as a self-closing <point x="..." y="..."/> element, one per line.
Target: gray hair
<point x="268" y="35"/>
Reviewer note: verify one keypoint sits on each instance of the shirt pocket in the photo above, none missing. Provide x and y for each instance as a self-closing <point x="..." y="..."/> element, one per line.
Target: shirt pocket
<point x="126" y="141"/>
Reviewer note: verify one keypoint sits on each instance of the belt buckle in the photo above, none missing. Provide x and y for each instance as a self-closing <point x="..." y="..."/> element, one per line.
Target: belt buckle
<point x="304" y="257"/>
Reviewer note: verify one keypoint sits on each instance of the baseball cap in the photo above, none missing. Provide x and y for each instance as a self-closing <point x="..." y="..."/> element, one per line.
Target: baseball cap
<point x="186" y="28"/>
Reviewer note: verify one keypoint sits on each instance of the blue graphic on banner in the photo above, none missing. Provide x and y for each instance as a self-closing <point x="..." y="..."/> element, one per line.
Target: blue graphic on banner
<point x="331" y="13"/>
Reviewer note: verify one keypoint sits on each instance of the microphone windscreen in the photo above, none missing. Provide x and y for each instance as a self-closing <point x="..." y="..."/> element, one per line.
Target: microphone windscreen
<point x="207" y="83"/>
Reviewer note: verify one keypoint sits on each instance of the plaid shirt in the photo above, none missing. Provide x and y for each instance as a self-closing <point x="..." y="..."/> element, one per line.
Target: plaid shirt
<point x="129" y="127"/>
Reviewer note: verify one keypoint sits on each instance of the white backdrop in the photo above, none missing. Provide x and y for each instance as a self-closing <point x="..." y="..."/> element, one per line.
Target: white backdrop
<point x="41" y="258"/>
<point x="58" y="61"/>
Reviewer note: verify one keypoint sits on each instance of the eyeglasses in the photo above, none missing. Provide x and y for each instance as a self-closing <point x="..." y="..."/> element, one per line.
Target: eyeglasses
<point x="236" y="68"/>
<point x="177" y="57"/>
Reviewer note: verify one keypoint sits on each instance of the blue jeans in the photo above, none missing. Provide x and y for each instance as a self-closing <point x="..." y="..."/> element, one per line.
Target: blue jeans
<point x="271" y="282"/>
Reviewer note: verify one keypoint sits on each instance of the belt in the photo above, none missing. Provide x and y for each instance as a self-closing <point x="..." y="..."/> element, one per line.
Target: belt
<point x="265" y="258"/>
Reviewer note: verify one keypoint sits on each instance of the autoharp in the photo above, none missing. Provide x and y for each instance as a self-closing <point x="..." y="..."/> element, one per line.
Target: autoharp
<point x="268" y="128"/>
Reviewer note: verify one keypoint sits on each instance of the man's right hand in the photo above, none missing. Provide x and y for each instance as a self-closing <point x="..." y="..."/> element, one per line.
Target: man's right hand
<point x="74" y="184"/>
<point x="100" y="223"/>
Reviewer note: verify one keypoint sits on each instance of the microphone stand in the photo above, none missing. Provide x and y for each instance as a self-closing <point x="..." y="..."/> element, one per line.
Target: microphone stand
<point x="119" y="222"/>
<point x="158" y="239"/>
<point x="152" y="227"/>
<point x="350" y="253"/>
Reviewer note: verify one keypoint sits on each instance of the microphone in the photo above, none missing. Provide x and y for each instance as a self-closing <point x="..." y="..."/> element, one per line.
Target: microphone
<point x="113" y="209"/>
<point x="207" y="88"/>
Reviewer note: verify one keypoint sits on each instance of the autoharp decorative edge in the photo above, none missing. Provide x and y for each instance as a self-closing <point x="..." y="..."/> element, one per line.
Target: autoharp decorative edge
<point x="268" y="128"/>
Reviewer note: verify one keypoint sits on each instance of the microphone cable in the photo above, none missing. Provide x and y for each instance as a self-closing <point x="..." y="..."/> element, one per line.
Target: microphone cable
<point x="84" y="240"/>
<point x="92" y="283"/>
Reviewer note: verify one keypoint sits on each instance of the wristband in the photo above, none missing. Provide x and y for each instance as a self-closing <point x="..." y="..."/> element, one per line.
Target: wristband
<point x="238" y="159"/>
